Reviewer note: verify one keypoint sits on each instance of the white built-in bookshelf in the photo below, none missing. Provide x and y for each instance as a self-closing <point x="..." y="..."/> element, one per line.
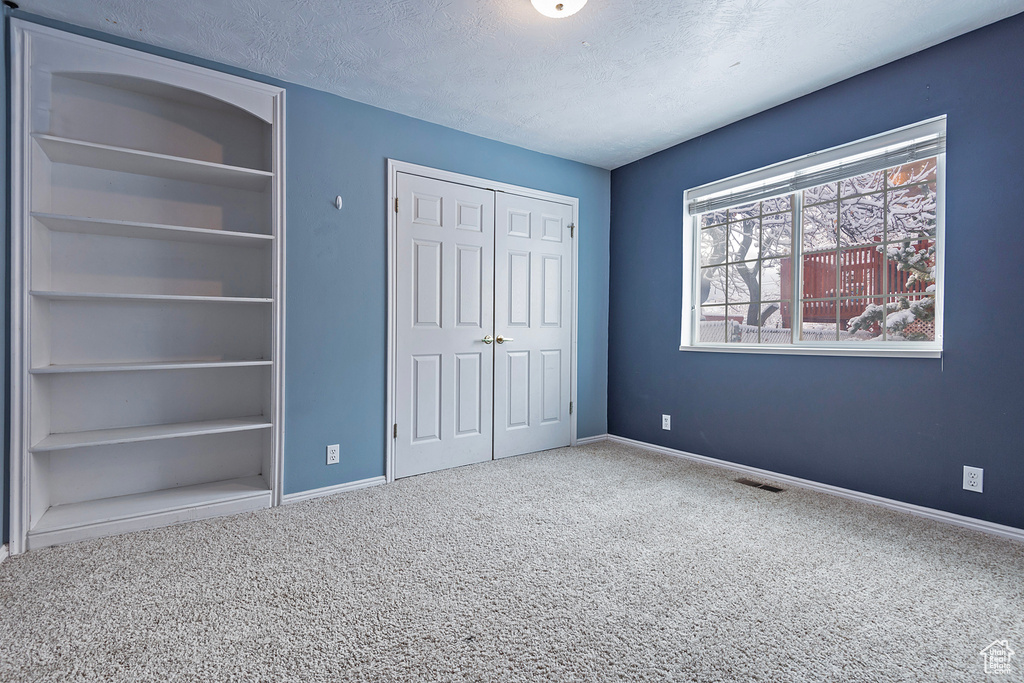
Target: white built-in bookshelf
<point x="147" y="308"/>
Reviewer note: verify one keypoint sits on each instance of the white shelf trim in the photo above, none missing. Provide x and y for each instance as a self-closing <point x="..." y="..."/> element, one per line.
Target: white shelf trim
<point x="101" y="296"/>
<point x="158" y="231"/>
<point x="123" y="159"/>
<point x="121" y="435"/>
<point x="155" y="365"/>
<point x="37" y="158"/>
<point x="104" y="510"/>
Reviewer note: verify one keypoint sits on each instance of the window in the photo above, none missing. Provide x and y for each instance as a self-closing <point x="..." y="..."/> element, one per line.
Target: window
<point x="853" y="235"/>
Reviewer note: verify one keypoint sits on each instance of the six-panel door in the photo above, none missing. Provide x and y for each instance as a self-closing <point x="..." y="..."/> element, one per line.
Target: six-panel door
<point x="444" y="369"/>
<point x="532" y="314"/>
<point x="484" y="325"/>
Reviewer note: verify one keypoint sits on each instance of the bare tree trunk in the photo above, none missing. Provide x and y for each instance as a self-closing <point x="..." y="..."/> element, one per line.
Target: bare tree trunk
<point x="717" y="256"/>
<point x="749" y="278"/>
<point x="767" y="313"/>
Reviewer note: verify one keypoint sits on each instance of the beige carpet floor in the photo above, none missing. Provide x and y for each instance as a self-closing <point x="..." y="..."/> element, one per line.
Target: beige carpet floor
<point x="599" y="563"/>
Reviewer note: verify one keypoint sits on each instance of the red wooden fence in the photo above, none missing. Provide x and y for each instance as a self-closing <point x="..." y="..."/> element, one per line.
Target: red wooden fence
<point x="860" y="275"/>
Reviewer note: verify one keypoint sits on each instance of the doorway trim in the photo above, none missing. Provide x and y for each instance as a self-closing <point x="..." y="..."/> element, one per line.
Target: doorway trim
<point x="394" y="168"/>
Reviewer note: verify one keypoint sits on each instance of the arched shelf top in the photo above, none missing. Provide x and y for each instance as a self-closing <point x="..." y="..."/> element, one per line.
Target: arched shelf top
<point x="52" y="52"/>
<point x="153" y="88"/>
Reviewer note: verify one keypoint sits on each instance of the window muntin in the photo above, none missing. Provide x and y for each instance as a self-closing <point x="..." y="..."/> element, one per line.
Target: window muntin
<point x="884" y="242"/>
<point x="867" y="251"/>
<point x="744" y="253"/>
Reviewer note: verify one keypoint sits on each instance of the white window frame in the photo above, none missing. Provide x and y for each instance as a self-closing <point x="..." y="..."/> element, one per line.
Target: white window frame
<point x="780" y="172"/>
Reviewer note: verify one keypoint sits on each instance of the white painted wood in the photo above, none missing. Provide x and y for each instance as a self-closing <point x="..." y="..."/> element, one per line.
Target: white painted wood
<point x="102" y="517"/>
<point x="591" y="439"/>
<point x="130" y="367"/>
<point x="112" y="195"/>
<point x="119" y="435"/>
<point x="97" y="296"/>
<point x="94" y="472"/>
<point x="273" y="463"/>
<point x="445" y="309"/>
<point x="88" y="401"/>
<point x="154" y="117"/>
<point x="472" y="181"/>
<point x="301" y="496"/>
<point x="57" y="51"/>
<point x="574" y="321"/>
<point x="806" y="350"/>
<point x="124" y="160"/>
<point x="391" y="426"/>
<point x="113" y="265"/>
<point x="153" y="231"/>
<point x="908" y="508"/>
<point x="20" y="474"/>
<point x="114" y="330"/>
<point x="395" y="168"/>
<point x="533" y="308"/>
<point x="3" y="552"/>
<point x="140" y="188"/>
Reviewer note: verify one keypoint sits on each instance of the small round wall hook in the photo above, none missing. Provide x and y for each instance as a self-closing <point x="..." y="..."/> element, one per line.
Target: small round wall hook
<point x="337" y="202"/>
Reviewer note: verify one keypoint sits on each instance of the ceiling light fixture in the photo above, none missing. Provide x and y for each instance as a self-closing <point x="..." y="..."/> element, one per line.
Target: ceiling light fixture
<point x="557" y="9"/>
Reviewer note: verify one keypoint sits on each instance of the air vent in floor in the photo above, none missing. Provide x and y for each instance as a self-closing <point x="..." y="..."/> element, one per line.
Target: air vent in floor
<point x="758" y="485"/>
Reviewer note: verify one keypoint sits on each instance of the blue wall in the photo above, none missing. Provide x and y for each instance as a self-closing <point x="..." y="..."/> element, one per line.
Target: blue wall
<point x="336" y="270"/>
<point x="899" y="428"/>
<point x="337" y="307"/>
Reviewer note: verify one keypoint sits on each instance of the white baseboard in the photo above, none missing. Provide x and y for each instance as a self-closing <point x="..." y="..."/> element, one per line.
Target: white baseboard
<point x="591" y="439"/>
<point x="331" y="490"/>
<point x="3" y="552"/>
<point x="918" y="510"/>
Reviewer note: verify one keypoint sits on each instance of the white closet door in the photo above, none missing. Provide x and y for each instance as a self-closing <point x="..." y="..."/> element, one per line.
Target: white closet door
<point x="445" y="309"/>
<point x="532" y="315"/>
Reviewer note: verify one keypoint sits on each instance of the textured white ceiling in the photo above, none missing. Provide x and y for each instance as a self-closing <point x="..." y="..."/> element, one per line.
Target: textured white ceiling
<point x="619" y="80"/>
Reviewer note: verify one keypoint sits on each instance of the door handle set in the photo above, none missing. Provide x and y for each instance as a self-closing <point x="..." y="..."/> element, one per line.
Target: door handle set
<point x="500" y="339"/>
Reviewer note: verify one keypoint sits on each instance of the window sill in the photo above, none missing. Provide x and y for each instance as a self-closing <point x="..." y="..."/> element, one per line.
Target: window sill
<point x="788" y="350"/>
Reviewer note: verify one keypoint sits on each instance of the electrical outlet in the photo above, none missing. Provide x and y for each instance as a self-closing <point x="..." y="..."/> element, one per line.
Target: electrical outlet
<point x="333" y="452"/>
<point x="666" y="422"/>
<point x="974" y="477"/>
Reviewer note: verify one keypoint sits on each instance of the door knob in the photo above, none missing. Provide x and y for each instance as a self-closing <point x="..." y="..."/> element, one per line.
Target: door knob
<point x="488" y="340"/>
<point x="502" y="340"/>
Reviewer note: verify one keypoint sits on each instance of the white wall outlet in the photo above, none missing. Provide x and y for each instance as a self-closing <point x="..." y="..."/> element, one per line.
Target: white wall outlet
<point x="974" y="477"/>
<point x="333" y="454"/>
<point x="666" y="422"/>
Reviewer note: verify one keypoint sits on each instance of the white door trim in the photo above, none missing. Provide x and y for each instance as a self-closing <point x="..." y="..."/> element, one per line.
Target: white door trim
<point x="394" y="168"/>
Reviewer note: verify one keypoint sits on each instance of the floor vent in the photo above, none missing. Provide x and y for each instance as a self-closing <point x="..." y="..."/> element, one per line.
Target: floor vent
<point x="758" y="485"/>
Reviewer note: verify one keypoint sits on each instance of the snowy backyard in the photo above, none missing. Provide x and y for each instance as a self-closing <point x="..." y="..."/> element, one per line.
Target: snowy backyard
<point x="866" y="255"/>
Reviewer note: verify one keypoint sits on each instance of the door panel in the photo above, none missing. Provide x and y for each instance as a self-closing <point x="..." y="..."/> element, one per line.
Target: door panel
<point x="427" y="283"/>
<point x="533" y="295"/>
<point x="426" y="382"/>
<point x="551" y="291"/>
<point x="468" y="401"/>
<point x="470" y="287"/>
<point x="445" y="307"/>
<point x="551" y="388"/>
<point x="518" y="378"/>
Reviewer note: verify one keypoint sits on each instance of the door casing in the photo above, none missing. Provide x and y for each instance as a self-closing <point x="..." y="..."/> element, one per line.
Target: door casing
<point x="394" y="168"/>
